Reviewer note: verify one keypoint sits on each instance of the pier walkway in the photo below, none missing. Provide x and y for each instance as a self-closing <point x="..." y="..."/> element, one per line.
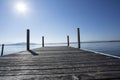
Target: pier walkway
<point x="59" y="63"/>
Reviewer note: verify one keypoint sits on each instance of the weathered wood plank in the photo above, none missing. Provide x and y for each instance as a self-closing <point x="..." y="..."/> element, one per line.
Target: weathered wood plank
<point x="65" y="62"/>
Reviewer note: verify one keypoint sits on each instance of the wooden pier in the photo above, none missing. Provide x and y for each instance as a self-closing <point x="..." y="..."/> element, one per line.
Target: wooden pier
<point x="59" y="63"/>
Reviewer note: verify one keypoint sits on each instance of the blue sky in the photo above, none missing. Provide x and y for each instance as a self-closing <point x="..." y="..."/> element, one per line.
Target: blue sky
<point x="55" y="19"/>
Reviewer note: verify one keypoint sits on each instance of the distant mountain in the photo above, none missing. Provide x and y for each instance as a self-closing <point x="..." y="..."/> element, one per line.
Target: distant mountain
<point x="22" y="43"/>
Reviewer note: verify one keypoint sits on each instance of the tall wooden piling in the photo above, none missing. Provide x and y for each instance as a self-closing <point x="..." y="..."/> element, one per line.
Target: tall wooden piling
<point x="78" y="33"/>
<point x="42" y="41"/>
<point x="2" y="49"/>
<point x="67" y="40"/>
<point x="28" y="39"/>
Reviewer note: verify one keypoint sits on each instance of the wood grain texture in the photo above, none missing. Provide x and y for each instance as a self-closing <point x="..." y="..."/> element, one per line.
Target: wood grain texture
<point x="59" y="63"/>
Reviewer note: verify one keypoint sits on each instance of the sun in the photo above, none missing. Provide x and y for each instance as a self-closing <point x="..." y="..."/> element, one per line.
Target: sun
<point x="21" y="7"/>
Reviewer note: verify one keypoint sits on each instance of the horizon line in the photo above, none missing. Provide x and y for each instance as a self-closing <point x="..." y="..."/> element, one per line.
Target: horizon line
<point x="33" y="43"/>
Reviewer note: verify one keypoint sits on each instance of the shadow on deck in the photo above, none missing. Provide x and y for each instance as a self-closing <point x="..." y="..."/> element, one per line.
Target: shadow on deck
<point x="33" y="53"/>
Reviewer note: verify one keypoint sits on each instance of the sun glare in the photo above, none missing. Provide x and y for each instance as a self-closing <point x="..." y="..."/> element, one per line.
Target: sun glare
<point x="21" y="7"/>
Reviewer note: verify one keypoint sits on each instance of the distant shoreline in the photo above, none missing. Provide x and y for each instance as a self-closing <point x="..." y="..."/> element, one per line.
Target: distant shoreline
<point x="86" y="42"/>
<point x="23" y="43"/>
<point x="82" y="42"/>
<point x="100" y="41"/>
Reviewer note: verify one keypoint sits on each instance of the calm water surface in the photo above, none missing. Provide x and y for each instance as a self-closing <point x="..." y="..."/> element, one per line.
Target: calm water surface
<point x="112" y="48"/>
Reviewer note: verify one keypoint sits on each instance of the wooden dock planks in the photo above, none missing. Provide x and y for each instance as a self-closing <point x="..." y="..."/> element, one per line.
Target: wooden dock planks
<point x="59" y="63"/>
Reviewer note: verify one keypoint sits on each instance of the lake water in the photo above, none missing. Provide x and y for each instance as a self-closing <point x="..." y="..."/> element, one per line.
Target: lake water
<point x="112" y="48"/>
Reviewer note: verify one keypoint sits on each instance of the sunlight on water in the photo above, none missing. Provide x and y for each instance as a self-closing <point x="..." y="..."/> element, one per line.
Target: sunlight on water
<point x="17" y="48"/>
<point x="112" y="48"/>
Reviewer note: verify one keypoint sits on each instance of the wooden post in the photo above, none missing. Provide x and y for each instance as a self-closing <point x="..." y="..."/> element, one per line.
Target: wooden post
<point x="2" y="50"/>
<point x="78" y="33"/>
<point x="42" y="41"/>
<point x="28" y="39"/>
<point x="68" y="41"/>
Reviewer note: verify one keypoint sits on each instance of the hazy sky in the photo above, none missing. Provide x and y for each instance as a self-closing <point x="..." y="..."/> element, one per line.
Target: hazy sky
<point x="55" y="19"/>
